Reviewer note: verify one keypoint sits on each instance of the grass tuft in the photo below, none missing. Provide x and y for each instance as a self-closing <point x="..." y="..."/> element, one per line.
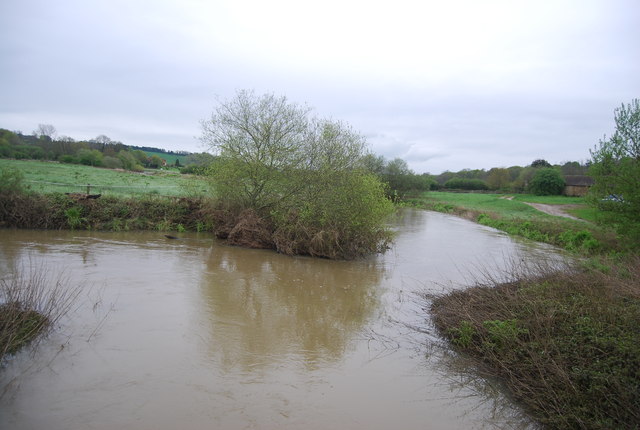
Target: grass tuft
<point x="30" y="304"/>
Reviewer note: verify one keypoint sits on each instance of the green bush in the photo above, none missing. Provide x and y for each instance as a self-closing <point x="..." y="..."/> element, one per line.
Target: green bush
<point x="11" y="182"/>
<point x="111" y="162"/>
<point x="69" y="159"/>
<point x="547" y="182"/>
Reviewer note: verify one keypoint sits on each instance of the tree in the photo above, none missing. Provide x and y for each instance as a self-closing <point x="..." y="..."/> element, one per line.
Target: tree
<point x="260" y="141"/>
<point x="615" y="166"/>
<point x="142" y="158"/>
<point x="540" y="163"/>
<point x="374" y="164"/>
<point x="573" y="168"/>
<point x="129" y="161"/>
<point x="498" y="178"/>
<point x="547" y="181"/>
<point x="398" y="175"/>
<point x="155" y="161"/>
<point x="45" y="131"/>
<point x="301" y="176"/>
<point x="514" y="172"/>
<point x="522" y="182"/>
<point x="102" y="141"/>
<point x="90" y="157"/>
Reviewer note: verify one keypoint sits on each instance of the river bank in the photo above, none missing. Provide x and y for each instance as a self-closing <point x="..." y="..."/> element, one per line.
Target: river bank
<point x="563" y="340"/>
<point x="520" y="216"/>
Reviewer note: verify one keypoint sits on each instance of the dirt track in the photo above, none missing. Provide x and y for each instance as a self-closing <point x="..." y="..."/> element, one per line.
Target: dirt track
<point x="556" y="210"/>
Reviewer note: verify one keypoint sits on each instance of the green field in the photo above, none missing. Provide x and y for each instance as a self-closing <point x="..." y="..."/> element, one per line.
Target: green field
<point x="171" y="158"/>
<point x="505" y="205"/>
<point x="50" y="177"/>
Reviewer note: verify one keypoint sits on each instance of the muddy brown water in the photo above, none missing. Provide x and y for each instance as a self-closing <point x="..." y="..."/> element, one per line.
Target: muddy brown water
<point x="191" y="334"/>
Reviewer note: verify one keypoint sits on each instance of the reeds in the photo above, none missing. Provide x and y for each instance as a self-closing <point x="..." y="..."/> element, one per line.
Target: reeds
<point x="31" y="303"/>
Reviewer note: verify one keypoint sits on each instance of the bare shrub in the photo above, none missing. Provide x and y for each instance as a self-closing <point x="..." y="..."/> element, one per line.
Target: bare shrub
<point x="565" y="342"/>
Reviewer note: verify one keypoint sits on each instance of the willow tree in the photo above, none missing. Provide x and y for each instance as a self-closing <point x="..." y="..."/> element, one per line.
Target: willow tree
<point x="300" y="174"/>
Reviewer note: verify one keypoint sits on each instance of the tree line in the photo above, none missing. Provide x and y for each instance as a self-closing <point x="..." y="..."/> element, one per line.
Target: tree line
<point x="44" y="144"/>
<point x="267" y="151"/>
<point x="403" y="181"/>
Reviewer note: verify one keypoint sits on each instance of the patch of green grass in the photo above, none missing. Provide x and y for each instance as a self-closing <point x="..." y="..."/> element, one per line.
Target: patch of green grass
<point x="50" y="177"/>
<point x="586" y="213"/>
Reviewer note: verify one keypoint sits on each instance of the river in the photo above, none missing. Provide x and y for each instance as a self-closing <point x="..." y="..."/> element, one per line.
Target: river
<point x="192" y="334"/>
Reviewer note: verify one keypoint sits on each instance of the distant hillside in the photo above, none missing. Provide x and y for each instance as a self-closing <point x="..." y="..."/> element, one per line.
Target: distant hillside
<point x="169" y="156"/>
<point x="157" y="150"/>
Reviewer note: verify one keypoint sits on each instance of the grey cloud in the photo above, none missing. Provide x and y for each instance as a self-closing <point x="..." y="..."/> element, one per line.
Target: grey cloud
<point x="146" y="77"/>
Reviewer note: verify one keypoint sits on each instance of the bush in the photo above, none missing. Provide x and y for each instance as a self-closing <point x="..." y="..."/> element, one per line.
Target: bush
<point x="90" y="157"/>
<point x="69" y="159"/>
<point x="344" y="219"/>
<point x="547" y="182"/>
<point x="11" y="182"/>
<point x="111" y="162"/>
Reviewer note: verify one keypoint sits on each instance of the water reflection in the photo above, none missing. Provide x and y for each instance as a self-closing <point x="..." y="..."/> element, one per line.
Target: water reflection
<point x="264" y="307"/>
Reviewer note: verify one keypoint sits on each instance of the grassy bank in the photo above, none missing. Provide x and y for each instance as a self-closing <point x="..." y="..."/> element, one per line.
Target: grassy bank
<point x="111" y="213"/>
<point x="513" y="215"/>
<point x="566" y="343"/>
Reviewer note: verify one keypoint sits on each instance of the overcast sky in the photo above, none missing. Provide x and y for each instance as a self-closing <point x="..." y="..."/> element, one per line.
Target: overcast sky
<point x="445" y="85"/>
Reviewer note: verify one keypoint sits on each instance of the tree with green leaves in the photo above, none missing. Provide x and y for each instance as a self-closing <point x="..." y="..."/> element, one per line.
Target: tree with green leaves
<point x="498" y="178"/>
<point x="261" y="143"/>
<point x="616" y="169"/>
<point x="547" y="181"/>
<point x="540" y="163"/>
<point x="302" y="176"/>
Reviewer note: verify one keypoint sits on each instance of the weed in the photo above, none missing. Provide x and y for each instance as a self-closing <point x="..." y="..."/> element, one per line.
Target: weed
<point x="502" y="333"/>
<point x="462" y="335"/>
<point x="74" y="217"/>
